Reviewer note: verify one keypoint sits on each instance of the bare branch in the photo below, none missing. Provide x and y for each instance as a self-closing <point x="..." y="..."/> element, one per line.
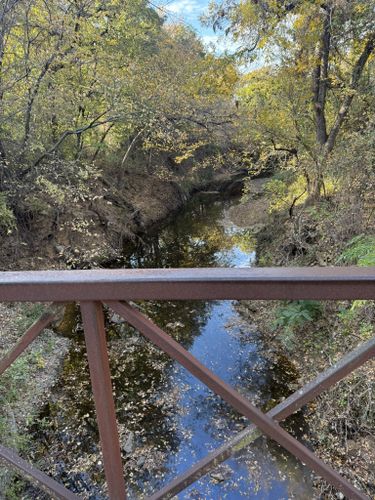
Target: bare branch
<point x="93" y="124"/>
<point x="344" y="109"/>
<point x="131" y="145"/>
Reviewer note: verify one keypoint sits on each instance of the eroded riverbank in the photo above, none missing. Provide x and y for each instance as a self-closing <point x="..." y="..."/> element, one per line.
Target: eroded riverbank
<point x="167" y="420"/>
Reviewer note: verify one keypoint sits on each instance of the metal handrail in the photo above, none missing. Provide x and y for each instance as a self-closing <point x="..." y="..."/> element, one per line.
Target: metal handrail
<point x="272" y="283"/>
<point x="113" y="287"/>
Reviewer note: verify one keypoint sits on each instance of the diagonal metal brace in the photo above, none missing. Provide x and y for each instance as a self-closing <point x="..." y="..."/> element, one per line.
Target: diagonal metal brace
<point x="46" y="318"/>
<point x="264" y="422"/>
<point x="36" y="476"/>
<point x="294" y="402"/>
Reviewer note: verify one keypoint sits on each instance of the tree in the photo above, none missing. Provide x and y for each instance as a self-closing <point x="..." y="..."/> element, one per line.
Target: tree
<point x="105" y="82"/>
<point x="328" y="42"/>
<point x="7" y="19"/>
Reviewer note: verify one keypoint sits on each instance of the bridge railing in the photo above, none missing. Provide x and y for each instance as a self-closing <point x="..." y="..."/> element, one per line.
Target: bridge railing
<point x="116" y="288"/>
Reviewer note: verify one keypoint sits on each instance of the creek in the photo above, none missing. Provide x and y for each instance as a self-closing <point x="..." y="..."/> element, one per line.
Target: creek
<point x="167" y="419"/>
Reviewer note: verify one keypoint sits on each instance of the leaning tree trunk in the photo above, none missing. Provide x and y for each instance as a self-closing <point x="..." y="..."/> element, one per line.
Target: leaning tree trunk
<point x="325" y="141"/>
<point x="2" y="166"/>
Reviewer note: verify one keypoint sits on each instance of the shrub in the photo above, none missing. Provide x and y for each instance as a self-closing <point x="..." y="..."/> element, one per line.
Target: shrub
<point x="282" y="194"/>
<point x="7" y="218"/>
<point x="360" y="250"/>
<point x="294" y="315"/>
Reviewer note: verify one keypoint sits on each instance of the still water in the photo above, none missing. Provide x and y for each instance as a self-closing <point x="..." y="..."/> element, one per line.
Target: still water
<point x="167" y="419"/>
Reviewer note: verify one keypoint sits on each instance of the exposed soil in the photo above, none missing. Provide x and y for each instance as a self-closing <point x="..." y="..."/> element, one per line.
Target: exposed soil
<point x="92" y="233"/>
<point x="252" y="213"/>
<point x="340" y="420"/>
<point x="92" y="236"/>
<point x="112" y="223"/>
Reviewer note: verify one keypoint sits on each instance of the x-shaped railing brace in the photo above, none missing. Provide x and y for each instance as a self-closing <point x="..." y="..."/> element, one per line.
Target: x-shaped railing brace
<point x="267" y="423"/>
<point x="93" y="320"/>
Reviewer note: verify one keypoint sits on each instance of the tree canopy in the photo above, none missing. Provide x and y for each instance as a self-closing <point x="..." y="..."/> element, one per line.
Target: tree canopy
<point x="113" y="87"/>
<point x="82" y="78"/>
<point x="315" y="56"/>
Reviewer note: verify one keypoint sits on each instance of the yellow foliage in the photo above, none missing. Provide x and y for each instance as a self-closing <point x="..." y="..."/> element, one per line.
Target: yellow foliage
<point x="189" y="152"/>
<point x="51" y="189"/>
<point x="282" y="195"/>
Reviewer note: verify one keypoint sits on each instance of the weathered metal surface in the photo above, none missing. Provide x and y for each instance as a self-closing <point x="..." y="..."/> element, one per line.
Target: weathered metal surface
<point x="264" y="422"/>
<point x="281" y="411"/>
<point x="93" y="323"/>
<point x="35" y="476"/>
<point x="205" y="284"/>
<point x="35" y="329"/>
<point x="90" y="287"/>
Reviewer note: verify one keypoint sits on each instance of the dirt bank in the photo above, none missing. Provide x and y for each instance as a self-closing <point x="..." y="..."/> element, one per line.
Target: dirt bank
<point x="87" y="234"/>
<point x="91" y="232"/>
<point x="341" y="420"/>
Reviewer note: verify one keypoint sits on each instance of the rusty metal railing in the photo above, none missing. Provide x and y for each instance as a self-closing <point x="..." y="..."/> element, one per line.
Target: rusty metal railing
<point x="116" y="288"/>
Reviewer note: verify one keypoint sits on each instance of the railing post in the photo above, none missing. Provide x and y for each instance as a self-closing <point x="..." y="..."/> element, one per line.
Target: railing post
<point x="93" y="324"/>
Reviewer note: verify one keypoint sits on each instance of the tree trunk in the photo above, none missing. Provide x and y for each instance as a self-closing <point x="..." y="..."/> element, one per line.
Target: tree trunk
<point x="33" y="93"/>
<point x="2" y="166"/>
<point x="325" y="141"/>
<point x="102" y="140"/>
<point x="319" y="87"/>
<point x="345" y="106"/>
<point x="320" y="79"/>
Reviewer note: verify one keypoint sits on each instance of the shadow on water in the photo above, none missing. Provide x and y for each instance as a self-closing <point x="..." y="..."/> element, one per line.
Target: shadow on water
<point x="167" y="419"/>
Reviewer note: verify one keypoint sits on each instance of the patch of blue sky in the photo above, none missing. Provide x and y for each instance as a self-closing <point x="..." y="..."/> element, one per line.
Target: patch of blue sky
<point x="189" y="12"/>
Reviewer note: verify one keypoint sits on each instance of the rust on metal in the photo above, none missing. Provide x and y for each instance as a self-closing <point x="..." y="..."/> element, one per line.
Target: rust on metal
<point x="91" y="288"/>
<point x="96" y="345"/>
<point x="35" y="476"/>
<point x="294" y="402"/>
<point x="232" y="397"/>
<point x="207" y="284"/>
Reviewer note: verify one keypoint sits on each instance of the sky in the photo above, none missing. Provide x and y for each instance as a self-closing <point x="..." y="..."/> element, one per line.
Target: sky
<point x="189" y="13"/>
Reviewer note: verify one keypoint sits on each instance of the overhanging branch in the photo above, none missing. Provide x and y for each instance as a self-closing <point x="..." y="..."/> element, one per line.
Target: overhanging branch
<point x="96" y="122"/>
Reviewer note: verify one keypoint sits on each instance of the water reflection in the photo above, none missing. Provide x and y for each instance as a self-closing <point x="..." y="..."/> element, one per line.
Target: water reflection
<point x="167" y="419"/>
<point x="207" y="421"/>
<point x="202" y="236"/>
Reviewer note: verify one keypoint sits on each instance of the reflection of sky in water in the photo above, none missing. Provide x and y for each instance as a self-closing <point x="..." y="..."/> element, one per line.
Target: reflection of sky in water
<point x="175" y="432"/>
<point x="206" y="424"/>
<point x="205" y="421"/>
<point x="234" y="256"/>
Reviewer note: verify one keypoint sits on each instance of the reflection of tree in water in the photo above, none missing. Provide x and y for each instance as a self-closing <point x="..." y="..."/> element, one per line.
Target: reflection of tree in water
<point x="193" y="240"/>
<point x="182" y="319"/>
<point x="67" y="431"/>
<point x="145" y="402"/>
<point x="147" y="396"/>
<point x="264" y="383"/>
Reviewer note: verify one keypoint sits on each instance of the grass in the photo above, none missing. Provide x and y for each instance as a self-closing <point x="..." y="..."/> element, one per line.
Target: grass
<point x="17" y="389"/>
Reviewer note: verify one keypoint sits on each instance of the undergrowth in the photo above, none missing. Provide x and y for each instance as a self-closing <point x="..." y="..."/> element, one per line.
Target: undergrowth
<point x="294" y="315"/>
<point x="17" y="383"/>
<point x="360" y="251"/>
<point x="336" y="230"/>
